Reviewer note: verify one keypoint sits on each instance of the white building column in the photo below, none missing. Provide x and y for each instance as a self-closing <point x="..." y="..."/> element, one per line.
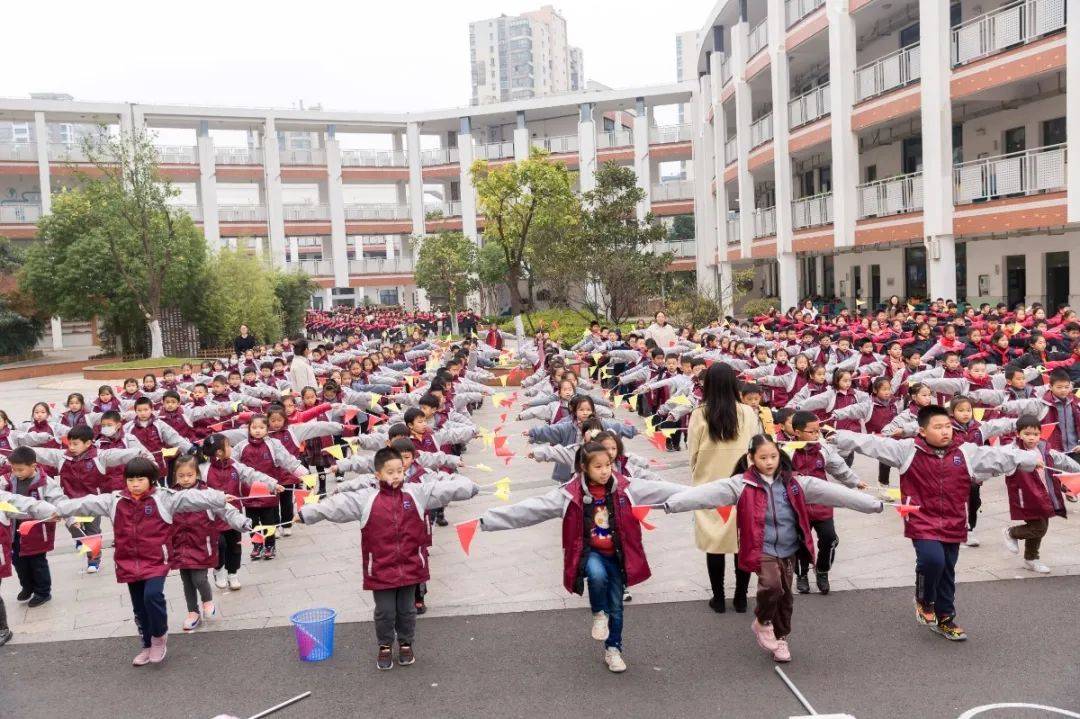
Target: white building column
<point x="521" y="138"/>
<point x="275" y="213"/>
<point x="328" y="298"/>
<point x="208" y="186"/>
<point x="719" y="130"/>
<point x="294" y="251"/>
<point x="398" y="141"/>
<point x="781" y="91"/>
<point x="339" y="248"/>
<point x="1072" y="109"/>
<point x="642" y="169"/>
<point x="819" y="275"/>
<point x="845" y="144"/>
<point x="41" y="137"/>
<point x="743" y="114"/>
<point x="416" y="180"/>
<point x="586" y="147"/>
<point x="391" y="246"/>
<point x="936" y="117"/>
<point x="704" y="208"/>
<point x="468" y="193"/>
<point x="57" y="331"/>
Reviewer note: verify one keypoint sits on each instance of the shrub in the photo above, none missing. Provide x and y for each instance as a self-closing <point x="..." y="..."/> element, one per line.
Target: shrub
<point x="566" y="326"/>
<point x="753" y="308"/>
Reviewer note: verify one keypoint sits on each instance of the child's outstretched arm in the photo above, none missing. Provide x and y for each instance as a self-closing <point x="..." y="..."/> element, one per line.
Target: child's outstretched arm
<point x="36" y="508"/>
<point x="996" y="427"/>
<point x="718" y="493"/>
<point x="455" y="488"/>
<point x="986" y="462"/>
<point x="364" y="481"/>
<point x="554" y="453"/>
<point x="344" y="507"/>
<point x="652" y="491"/>
<point x="94" y="505"/>
<point x="434" y="460"/>
<point x="819" y="491"/>
<point x="195" y="500"/>
<point x="892" y="452"/>
<point x="234" y="518"/>
<point x="531" y="511"/>
<point x="1064" y="462"/>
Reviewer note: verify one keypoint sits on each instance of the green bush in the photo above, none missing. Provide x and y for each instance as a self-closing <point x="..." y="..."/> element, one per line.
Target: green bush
<point x="753" y="308"/>
<point x="566" y="326"/>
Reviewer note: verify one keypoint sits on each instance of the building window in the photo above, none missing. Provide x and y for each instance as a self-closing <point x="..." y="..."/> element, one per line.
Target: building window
<point x="388" y="297"/>
<point x="915" y="272"/>
<point x="1053" y="132"/>
<point x="20" y="132"/>
<point x="961" y="272"/>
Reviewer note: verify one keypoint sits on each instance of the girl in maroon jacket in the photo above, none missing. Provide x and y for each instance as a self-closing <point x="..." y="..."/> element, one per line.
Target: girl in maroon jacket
<point x="601" y="537"/>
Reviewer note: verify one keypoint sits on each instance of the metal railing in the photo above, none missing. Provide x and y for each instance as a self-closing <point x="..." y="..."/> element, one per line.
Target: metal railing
<point x="731" y="150"/>
<point x="439" y="156"/>
<point x="317" y="268"/>
<point x="305" y="212"/>
<point x="559" y="143"/>
<point x="679" y="248"/>
<point x="893" y="196"/>
<point x="664" y="134"/>
<point x="672" y="190"/>
<point x="178" y="154"/>
<point x="193" y="210"/>
<point x="734" y="230"/>
<point x="725" y="71"/>
<point x="20" y="213"/>
<point x="373" y="158"/>
<point x="242" y="213"/>
<point x="761" y="130"/>
<point x="65" y="152"/>
<point x="1041" y="169"/>
<point x="811" y="211"/>
<point x="1013" y="24"/>
<point x="493" y="150"/>
<point x="764" y="222"/>
<point x="614" y="138"/>
<point x="451" y="208"/>
<point x="238" y="155"/>
<point x="891" y="71"/>
<point x="759" y="38"/>
<point x="18" y="151"/>
<point x="809" y="106"/>
<point x="376" y="211"/>
<point x="309" y="156"/>
<point x="380" y="266"/>
<point x="796" y="10"/>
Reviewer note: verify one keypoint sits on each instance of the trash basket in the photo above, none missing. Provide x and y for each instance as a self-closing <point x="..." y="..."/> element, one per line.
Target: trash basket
<point x="314" y="633"/>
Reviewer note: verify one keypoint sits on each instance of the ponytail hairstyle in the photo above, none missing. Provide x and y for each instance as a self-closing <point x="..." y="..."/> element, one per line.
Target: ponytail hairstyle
<point x="590" y="428"/>
<point x="5" y="419"/>
<point x="210" y="447"/>
<point x="757" y="442"/>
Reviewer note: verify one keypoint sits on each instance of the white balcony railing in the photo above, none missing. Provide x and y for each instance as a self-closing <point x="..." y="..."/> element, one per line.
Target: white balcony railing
<point x="373" y="158"/>
<point x="796" y="10"/>
<point x="761" y="130"/>
<point x="893" y="196"/>
<point x="238" y="155"/>
<point x="381" y="266"/>
<point x="451" y="208"/>
<point x="812" y="211"/>
<point x="242" y="213"/>
<point x="614" y="138"/>
<point x="734" y="229"/>
<point x="18" y="151"/>
<point x="808" y="106"/>
<point x="1041" y="169"/>
<point x="1013" y="24"/>
<point x="725" y="71"/>
<point x="376" y="211"/>
<point x="673" y="190"/>
<point x="731" y="150"/>
<point x="65" y="152"/>
<point x="664" y="134"/>
<point x="557" y="144"/>
<point x="178" y="154"/>
<point x="764" y="222"/>
<point x="305" y="212"/>
<point x="679" y="248"/>
<point x="19" y="213"/>
<point x="317" y="268"/>
<point x="759" y="38"/>
<point x="193" y="210"/>
<point x="493" y="151"/>
<point x="312" y="156"/>
<point x="891" y="71"/>
<point x="439" y="156"/>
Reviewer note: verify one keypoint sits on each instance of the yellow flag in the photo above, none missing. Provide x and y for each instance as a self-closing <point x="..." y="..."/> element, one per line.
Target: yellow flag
<point x="648" y="425"/>
<point x="668" y="431"/>
<point x="497" y="398"/>
<point x="311" y="498"/>
<point x="597" y="356"/>
<point x="334" y="451"/>
<point x="893" y="494"/>
<point x="978" y="412"/>
<point x="791" y="447"/>
<point x="482" y="467"/>
<point x="1017" y="328"/>
<point x="167" y="452"/>
<point x="79" y="520"/>
<point x="375" y="400"/>
<point x="393" y="407"/>
<point x="8" y="507"/>
<point x="633" y="402"/>
<point x="502" y="380"/>
<point x="236" y="406"/>
<point x="265" y="531"/>
<point x="680" y="399"/>
<point x="502" y="489"/>
<point x="310" y="480"/>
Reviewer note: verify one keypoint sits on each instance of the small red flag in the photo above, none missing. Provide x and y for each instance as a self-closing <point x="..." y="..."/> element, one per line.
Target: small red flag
<point x="259" y="489"/>
<point x="349" y="413"/>
<point x="1070" y="482"/>
<point x="257" y="538"/>
<point x="52" y="405"/>
<point x="298" y="497"/>
<point x="905" y="509"/>
<point x="725" y="511"/>
<point x="92" y="544"/>
<point x="708" y="362"/>
<point x="657" y="463"/>
<point x="218" y="427"/>
<point x="1047" y="430"/>
<point x="659" y="440"/>
<point x="26" y="525"/>
<point x="465" y="533"/>
<point x="640" y="513"/>
<point x="500" y="442"/>
<point x="502" y="418"/>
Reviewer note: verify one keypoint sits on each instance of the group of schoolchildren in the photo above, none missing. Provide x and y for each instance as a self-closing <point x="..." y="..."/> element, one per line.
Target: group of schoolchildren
<point x="822" y="388"/>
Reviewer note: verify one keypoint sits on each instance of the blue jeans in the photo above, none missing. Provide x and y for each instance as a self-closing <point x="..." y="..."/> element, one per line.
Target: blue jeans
<point x="606" y="592"/>
<point x="148" y="603"/>
<point x="935" y="575"/>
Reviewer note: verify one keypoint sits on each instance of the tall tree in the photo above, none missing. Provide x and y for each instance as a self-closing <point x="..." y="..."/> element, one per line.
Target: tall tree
<point x="19" y="328"/>
<point x="113" y="246"/>
<point x="293" y="290"/>
<point x="446" y="267"/>
<point x="240" y="290"/>
<point x="528" y="206"/>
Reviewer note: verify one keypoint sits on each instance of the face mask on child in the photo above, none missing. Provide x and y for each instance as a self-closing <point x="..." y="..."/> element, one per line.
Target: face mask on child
<point x="108" y="431"/>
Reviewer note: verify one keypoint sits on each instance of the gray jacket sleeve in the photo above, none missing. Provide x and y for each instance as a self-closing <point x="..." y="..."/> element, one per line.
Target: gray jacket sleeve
<point x="1063" y="461"/>
<point x="195" y="500"/>
<point x="531" y="511"/>
<point x="718" y="493"/>
<point x="652" y="492"/>
<point x="307" y="430"/>
<point x="36" y="508"/>
<point x="821" y="492"/>
<point x="558" y="453"/>
<point x="986" y="462"/>
<point x="454" y="489"/>
<point x="892" y="452"/>
<point x="94" y="505"/>
<point x="364" y="481"/>
<point x="343" y="507"/>
<point x="837" y="468"/>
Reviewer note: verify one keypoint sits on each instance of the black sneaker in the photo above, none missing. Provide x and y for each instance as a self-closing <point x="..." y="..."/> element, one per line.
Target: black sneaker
<point x="948" y="628"/>
<point x="802" y="583"/>
<point x="5" y="636"/>
<point x="717" y="605"/>
<point x="738" y="603"/>
<point x="38" y="599"/>
<point x="24" y="595"/>
<point x="385" y="659"/>
<point x="441" y="520"/>
<point x="420" y="606"/>
<point x="823" y="582"/>
<point x="405" y="655"/>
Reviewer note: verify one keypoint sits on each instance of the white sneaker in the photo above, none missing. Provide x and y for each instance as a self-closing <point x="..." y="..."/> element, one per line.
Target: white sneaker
<point x="613" y="659"/>
<point x="221" y="578"/>
<point x="91" y="569"/>
<point x="972" y="540"/>
<point x="1035" y="565"/>
<point x="192" y="621"/>
<point x="209" y="610"/>
<point x="1011" y="544"/>
<point x="599" y="626"/>
<point x="627" y="596"/>
<point x="234" y="582"/>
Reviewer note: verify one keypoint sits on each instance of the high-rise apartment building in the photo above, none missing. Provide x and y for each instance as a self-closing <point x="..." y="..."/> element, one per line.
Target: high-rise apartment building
<point x="521" y="56"/>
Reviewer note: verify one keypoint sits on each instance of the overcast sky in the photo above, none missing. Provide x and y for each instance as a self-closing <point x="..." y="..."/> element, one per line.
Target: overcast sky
<point x="371" y="55"/>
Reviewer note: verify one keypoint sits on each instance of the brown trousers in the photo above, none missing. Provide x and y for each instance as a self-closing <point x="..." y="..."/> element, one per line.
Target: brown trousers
<point x="1032" y="532"/>
<point x="774" y="598"/>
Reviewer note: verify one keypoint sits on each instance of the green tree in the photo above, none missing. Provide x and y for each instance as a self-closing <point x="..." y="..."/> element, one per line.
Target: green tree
<point x="114" y="247"/>
<point x="18" y="332"/>
<point x="528" y="207"/>
<point x="682" y="228"/>
<point x="491" y="271"/>
<point x="240" y="290"/>
<point x="293" y="290"/>
<point x="446" y="267"/>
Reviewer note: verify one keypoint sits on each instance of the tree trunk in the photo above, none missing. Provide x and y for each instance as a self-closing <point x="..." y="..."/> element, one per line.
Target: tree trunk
<point x="512" y="280"/>
<point x="453" y="321"/>
<point x="157" y="348"/>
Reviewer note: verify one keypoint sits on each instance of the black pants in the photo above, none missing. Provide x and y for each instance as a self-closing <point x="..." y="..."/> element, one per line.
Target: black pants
<point x="826" y="547"/>
<point x="230" y="552"/>
<point x="33" y="571"/>
<point x="265" y="516"/>
<point x="395" y="614"/>
<point x="883" y="474"/>
<point x="674" y="440"/>
<point x="716" y="563"/>
<point x="285" y="506"/>
<point x="850" y="459"/>
<point x="974" y="502"/>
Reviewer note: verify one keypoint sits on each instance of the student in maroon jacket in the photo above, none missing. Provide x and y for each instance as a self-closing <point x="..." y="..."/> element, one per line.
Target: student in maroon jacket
<point x="393" y="534"/>
<point x="29" y="552"/>
<point x="24" y="505"/>
<point x="936" y="472"/>
<point x="142" y="517"/>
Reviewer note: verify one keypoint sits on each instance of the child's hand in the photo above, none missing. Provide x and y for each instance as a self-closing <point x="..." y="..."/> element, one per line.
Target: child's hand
<point x="230" y="498"/>
<point x="332" y="469"/>
<point x="861" y="485"/>
<point x="278" y="489"/>
<point x="530" y="455"/>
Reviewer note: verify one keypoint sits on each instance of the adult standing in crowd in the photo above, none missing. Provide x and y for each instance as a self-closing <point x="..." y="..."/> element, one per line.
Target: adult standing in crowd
<point x="301" y="374"/>
<point x="719" y="435"/>
<point x="660" y="332"/>
<point x="244" y="342"/>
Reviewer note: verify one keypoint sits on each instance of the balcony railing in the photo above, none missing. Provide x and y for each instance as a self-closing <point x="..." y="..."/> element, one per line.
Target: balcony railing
<point x="1041" y="169"/>
<point x="1016" y="23"/>
<point x="557" y="144"/>
<point x="893" y="196"/>
<point x="317" y="268"/>
<point x="673" y="190"/>
<point x="680" y="248"/>
<point x="18" y="151"/>
<point x="64" y="152"/>
<point x="734" y="230"/>
<point x="493" y="151"/>
<point x="725" y="71"/>
<point x="312" y="156"/>
<point x="886" y="73"/>
<point x="812" y="211"/>
<point x="796" y="10"/>
<point x="731" y="150"/>
<point x="238" y="155"/>
<point x="178" y="154"/>
<point x="808" y="106"/>
<point x="376" y="211"/>
<point x="19" y="213"/>
<point x="305" y="213"/>
<point x="764" y="222"/>
<point x="373" y="158"/>
<point x="381" y="266"/>
<point x="615" y="138"/>
<point x="664" y="134"/>
<point x="439" y="156"/>
<point x="242" y="213"/>
<point x="193" y="210"/>
<point x="444" y="209"/>
<point x="761" y="130"/>
<point x="759" y="38"/>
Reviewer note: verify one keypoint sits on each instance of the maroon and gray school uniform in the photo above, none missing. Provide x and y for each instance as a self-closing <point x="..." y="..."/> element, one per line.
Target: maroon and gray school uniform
<point x="1037" y="494"/>
<point x="36" y="508"/>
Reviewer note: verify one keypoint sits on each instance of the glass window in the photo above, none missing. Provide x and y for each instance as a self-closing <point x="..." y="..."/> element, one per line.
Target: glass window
<point x="1053" y="131"/>
<point x="915" y="272"/>
<point x="961" y="272"/>
<point x="388" y="297"/>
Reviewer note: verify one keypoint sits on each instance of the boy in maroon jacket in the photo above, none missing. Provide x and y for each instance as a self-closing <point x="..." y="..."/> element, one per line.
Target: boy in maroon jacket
<point x="29" y="552"/>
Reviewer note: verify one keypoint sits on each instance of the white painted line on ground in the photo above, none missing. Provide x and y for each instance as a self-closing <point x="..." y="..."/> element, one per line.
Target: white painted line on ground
<point x="1015" y="705"/>
<point x="795" y="690"/>
<point x="279" y="707"/>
